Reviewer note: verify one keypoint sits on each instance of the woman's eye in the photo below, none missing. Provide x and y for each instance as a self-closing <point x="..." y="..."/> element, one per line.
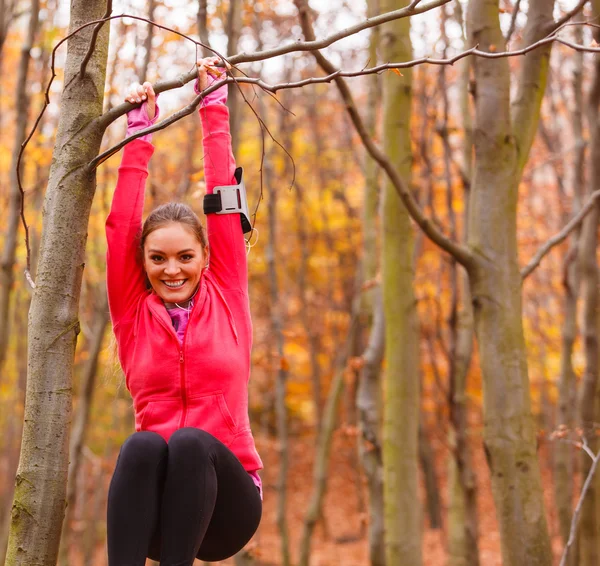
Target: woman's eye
<point x="156" y="258"/>
<point x="186" y="257"/>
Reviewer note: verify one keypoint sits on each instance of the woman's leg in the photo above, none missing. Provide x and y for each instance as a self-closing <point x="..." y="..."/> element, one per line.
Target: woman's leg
<point x="134" y="498"/>
<point x="210" y="504"/>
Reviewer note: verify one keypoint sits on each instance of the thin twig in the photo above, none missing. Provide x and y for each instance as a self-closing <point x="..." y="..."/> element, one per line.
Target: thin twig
<point x="558" y="238"/>
<point x="107" y="118"/>
<point x="513" y="21"/>
<point x="577" y="512"/>
<point x="569" y="15"/>
<point x="93" y="39"/>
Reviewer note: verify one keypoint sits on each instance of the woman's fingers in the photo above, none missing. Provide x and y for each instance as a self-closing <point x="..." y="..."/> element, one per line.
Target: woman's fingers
<point x="150" y="95"/>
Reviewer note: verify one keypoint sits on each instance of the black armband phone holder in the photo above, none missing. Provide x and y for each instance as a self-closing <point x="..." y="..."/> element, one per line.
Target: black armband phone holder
<point x="230" y="199"/>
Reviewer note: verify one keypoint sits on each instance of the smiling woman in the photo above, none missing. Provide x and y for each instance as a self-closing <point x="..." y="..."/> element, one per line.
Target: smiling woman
<point x="186" y="482"/>
<point x="174" y="251"/>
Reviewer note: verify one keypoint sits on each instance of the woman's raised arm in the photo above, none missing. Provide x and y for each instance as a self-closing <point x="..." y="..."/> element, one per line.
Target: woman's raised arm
<point x="124" y="270"/>
<point x="225" y="236"/>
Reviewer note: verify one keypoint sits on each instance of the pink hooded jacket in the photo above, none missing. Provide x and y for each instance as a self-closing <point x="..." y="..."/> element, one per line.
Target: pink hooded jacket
<point x="202" y="381"/>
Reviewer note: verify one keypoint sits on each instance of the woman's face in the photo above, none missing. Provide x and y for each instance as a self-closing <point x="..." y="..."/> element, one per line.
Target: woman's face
<point x="173" y="259"/>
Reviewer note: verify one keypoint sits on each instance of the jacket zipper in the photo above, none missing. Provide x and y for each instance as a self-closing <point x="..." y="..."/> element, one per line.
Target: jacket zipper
<point x="184" y="399"/>
<point x="182" y="383"/>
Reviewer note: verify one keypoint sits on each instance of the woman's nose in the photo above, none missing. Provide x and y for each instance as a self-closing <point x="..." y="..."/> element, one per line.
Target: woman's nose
<point x="172" y="268"/>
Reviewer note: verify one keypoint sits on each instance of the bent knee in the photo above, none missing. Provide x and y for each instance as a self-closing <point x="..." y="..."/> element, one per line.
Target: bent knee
<point x="190" y="438"/>
<point x="142" y="449"/>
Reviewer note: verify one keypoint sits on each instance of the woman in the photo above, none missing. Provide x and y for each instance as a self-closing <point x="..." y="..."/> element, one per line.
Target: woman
<point x="186" y="482"/>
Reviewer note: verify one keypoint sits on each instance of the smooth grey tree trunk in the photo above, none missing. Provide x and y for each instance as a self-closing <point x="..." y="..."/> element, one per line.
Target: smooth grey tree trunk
<point x="40" y="489"/>
<point x="234" y="98"/>
<point x="463" y="521"/>
<point x="566" y="409"/>
<point x="401" y="407"/>
<point x="502" y="141"/>
<point x="368" y="393"/>
<point x="589" y="524"/>
<point x="143" y="74"/>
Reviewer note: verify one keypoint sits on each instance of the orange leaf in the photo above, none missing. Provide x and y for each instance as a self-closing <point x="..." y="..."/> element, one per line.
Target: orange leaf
<point x="284" y="364"/>
<point x="398" y="72"/>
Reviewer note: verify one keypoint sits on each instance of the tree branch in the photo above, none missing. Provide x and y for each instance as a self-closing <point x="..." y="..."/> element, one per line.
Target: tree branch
<point x="558" y="238"/>
<point x="461" y="253"/>
<point x="584" y="490"/>
<point x="568" y="15"/>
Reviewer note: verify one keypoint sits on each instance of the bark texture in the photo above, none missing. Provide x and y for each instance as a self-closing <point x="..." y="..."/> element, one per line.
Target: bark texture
<point x="401" y="378"/>
<point x="39" y="500"/>
<point x="368" y="393"/>
<point x="589" y="525"/>
<point x="234" y="98"/>
<point x="564" y="452"/>
<point x="502" y="144"/>
<point x="463" y="522"/>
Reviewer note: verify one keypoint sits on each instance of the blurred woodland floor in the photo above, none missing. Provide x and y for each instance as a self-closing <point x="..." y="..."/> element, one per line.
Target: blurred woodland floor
<point x="345" y="541"/>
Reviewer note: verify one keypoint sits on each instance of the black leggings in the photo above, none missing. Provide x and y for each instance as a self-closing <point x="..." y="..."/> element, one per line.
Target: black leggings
<point x="190" y="498"/>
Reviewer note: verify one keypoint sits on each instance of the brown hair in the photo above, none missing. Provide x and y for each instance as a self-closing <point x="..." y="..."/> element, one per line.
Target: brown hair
<point x="173" y="212"/>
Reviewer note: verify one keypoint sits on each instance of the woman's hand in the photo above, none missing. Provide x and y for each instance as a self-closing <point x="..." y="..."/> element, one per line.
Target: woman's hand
<point x="207" y="68"/>
<point x="143" y="93"/>
<point x="208" y="73"/>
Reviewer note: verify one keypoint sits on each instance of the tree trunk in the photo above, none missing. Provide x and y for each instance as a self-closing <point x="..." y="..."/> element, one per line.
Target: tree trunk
<point x="368" y="393"/>
<point x="79" y="432"/>
<point x="564" y="452"/>
<point x="10" y="239"/>
<point x="501" y="153"/>
<point x="143" y="74"/>
<point x="368" y="402"/>
<point x="401" y="386"/>
<point x="276" y="311"/>
<point x="321" y="464"/>
<point x="201" y="21"/>
<point x="463" y="522"/>
<point x="39" y="501"/>
<point x="432" y="488"/>
<point x="234" y="98"/>
<point x="589" y="525"/>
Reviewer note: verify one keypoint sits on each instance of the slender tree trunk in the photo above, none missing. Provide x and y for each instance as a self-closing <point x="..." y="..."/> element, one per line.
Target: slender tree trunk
<point x="39" y="501"/>
<point x="368" y="402"/>
<point x="589" y="525"/>
<point x="234" y="99"/>
<point x="564" y="452"/>
<point x="463" y="522"/>
<point x="502" y="144"/>
<point x="282" y="371"/>
<point x="10" y="238"/>
<point x="432" y="488"/>
<point x="80" y="425"/>
<point x="368" y="393"/>
<point x="202" y="26"/>
<point x="321" y="465"/>
<point x="276" y="311"/>
<point x="401" y="407"/>
<point x="143" y="74"/>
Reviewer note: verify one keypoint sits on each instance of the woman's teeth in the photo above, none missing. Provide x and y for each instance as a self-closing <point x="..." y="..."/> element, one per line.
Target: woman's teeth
<point x="174" y="284"/>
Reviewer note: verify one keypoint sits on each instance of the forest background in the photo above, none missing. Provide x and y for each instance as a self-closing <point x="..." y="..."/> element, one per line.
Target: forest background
<point x="430" y="443"/>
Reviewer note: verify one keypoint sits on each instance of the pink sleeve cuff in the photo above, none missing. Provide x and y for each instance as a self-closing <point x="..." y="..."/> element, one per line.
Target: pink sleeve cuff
<point x="218" y="96"/>
<point x="137" y="119"/>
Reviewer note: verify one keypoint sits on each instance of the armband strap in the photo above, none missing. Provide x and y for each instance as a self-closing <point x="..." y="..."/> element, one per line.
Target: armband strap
<point x="230" y="199"/>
